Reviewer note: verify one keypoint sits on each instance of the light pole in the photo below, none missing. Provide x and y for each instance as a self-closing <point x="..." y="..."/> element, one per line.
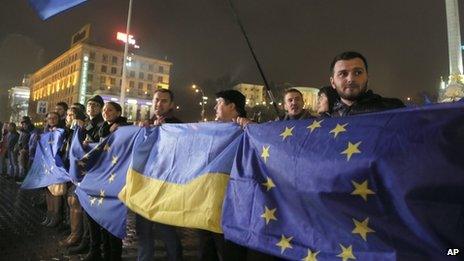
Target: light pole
<point x="203" y="101"/>
<point x="124" y="69"/>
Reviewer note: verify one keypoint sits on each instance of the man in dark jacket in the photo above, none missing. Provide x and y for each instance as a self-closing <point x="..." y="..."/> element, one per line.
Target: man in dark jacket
<point x="94" y="110"/>
<point x="22" y="147"/>
<point x="163" y="104"/>
<point x="350" y="78"/>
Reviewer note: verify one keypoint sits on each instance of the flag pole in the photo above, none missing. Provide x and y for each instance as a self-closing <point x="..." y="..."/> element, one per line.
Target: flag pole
<point x="124" y="60"/>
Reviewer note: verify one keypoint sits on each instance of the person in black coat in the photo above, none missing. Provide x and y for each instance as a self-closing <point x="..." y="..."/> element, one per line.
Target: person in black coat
<point x="350" y="78"/>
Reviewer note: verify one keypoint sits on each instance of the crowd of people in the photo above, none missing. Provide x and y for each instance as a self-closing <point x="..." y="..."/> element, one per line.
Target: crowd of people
<point x="348" y="94"/>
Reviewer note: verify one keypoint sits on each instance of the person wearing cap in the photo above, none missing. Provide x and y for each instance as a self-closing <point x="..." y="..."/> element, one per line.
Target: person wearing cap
<point x="294" y="106"/>
<point x="163" y="105"/>
<point x="94" y="110"/>
<point x="230" y="107"/>
<point x="326" y="99"/>
<point x="22" y="147"/>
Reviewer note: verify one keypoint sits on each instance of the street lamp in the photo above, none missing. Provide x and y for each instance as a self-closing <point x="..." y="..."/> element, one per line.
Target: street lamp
<point x="203" y="100"/>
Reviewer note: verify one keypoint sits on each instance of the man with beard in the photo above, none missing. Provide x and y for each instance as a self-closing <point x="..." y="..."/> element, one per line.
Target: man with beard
<point x="350" y="78"/>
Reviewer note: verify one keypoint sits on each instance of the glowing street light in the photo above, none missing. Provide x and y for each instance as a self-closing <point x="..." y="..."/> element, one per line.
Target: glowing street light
<point x="203" y="100"/>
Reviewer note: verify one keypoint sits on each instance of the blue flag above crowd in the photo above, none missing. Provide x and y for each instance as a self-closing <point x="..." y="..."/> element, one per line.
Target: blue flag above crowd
<point x="104" y="171"/>
<point x="47" y="167"/>
<point x="180" y="172"/>
<point x="48" y="8"/>
<point x="385" y="186"/>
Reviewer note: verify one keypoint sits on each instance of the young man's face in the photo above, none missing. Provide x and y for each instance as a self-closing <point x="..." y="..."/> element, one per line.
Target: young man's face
<point x="60" y="110"/>
<point x="293" y="103"/>
<point x="225" y="112"/>
<point x="162" y="104"/>
<point x="93" y="109"/>
<point x="349" y="78"/>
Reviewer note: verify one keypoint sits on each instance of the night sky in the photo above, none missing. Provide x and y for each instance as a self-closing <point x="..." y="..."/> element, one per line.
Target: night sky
<point x="405" y="42"/>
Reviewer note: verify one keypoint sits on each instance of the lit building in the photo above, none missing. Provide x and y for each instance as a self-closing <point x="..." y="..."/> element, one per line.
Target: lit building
<point x="86" y="70"/>
<point x="254" y="94"/>
<point x="309" y="97"/>
<point x="19" y="102"/>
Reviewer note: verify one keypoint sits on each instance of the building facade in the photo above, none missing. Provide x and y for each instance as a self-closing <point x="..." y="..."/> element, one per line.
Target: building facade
<point x="86" y="70"/>
<point x="309" y="97"/>
<point x="19" y="102"/>
<point x="254" y="93"/>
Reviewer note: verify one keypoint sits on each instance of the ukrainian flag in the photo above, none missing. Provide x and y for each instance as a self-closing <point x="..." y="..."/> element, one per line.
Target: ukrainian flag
<point x="179" y="173"/>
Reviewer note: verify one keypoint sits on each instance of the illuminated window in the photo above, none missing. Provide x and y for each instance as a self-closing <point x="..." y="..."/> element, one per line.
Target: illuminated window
<point x="102" y="79"/>
<point x="140" y="85"/>
<point x="160" y="78"/>
<point x="112" y="81"/>
<point x="131" y="84"/>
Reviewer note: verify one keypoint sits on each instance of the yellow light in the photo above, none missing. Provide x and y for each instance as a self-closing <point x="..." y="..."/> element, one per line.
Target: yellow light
<point x="196" y="90"/>
<point x="194" y="86"/>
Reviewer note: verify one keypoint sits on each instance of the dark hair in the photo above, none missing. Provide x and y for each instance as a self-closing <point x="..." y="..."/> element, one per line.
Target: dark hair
<point x="63" y="104"/>
<point x="347" y="56"/>
<point x="289" y="90"/>
<point x="78" y="113"/>
<point x="162" y="90"/>
<point x="235" y="97"/>
<point x="78" y="106"/>
<point x="115" y="105"/>
<point x="331" y="94"/>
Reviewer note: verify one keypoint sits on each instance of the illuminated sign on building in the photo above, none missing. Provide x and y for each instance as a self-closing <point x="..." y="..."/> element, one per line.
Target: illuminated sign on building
<point x="81" y="36"/>
<point x="123" y="38"/>
<point x="83" y="85"/>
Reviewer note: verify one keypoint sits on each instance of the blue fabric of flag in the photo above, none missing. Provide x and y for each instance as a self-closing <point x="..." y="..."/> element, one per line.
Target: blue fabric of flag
<point x="47" y="167"/>
<point x="180" y="173"/>
<point x="383" y="186"/>
<point x="104" y="174"/>
<point x="49" y="8"/>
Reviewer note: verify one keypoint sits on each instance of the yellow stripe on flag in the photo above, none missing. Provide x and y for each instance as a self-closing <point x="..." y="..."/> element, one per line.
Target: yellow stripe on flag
<point x="197" y="204"/>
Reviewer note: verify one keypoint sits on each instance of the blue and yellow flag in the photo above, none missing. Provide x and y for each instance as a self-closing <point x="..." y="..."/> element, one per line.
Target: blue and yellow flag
<point x="384" y="186"/>
<point x="48" y="8"/>
<point x="179" y="173"/>
<point x="104" y="174"/>
<point x="47" y="167"/>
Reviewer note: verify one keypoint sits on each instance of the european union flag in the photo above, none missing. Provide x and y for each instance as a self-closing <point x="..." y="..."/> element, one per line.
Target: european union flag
<point x="384" y="186"/>
<point x="179" y="173"/>
<point x="105" y="168"/>
<point x="48" y="8"/>
<point x="47" y="167"/>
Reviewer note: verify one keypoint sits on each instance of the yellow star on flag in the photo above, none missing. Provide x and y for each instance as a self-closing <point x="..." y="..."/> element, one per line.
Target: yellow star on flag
<point x="100" y="201"/>
<point x="351" y="149"/>
<point x="284" y="243"/>
<point x="347" y="253"/>
<point x="269" y="214"/>
<point x="338" y="129"/>
<point x="112" y="177"/>
<point x="106" y="147"/>
<point x="286" y="133"/>
<point x="269" y="184"/>
<point x="362" y="228"/>
<point x="102" y="193"/>
<point x="316" y="124"/>
<point x="362" y="190"/>
<point x="265" y="153"/>
<point x="92" y="201"/>
<point x="311" y="256"/>
<point x="115" y="160"/>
